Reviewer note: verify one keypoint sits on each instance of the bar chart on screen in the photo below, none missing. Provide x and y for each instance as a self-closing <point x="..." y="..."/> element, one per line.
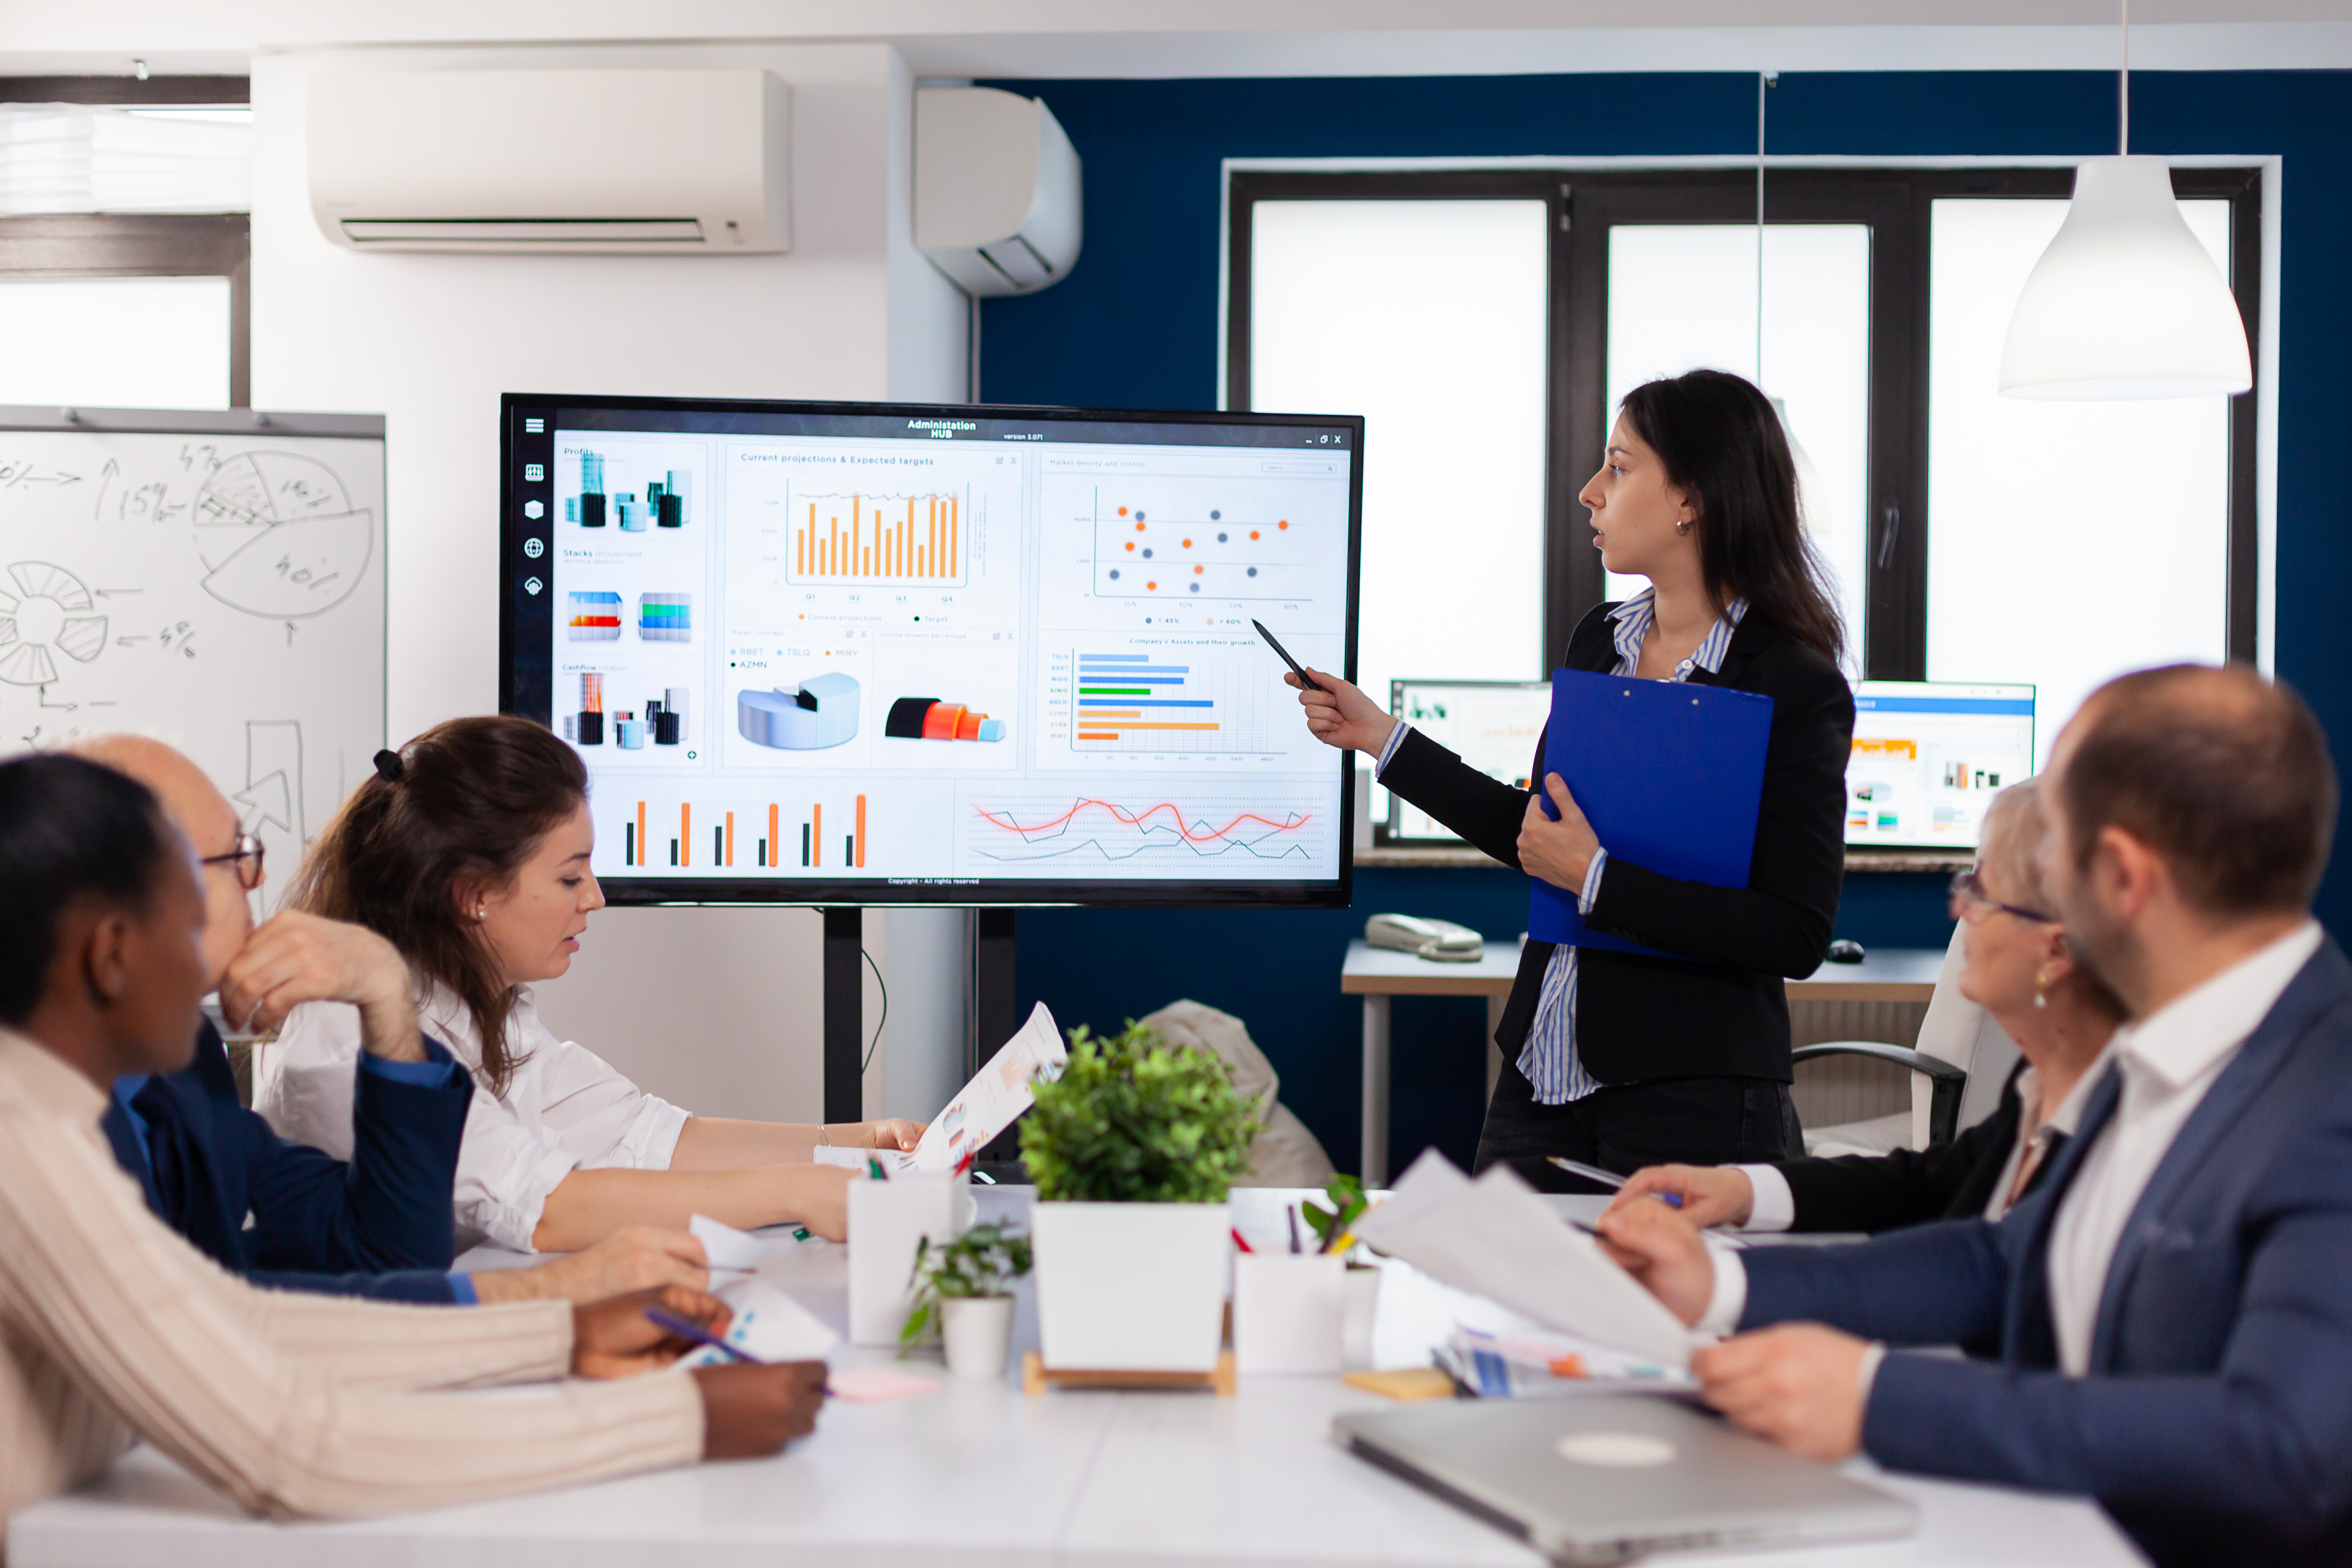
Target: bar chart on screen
<point x="1218" y="833"/>
<point x="1121" y="700"/>
<point x="883" y="539"/>
<point x="828" y="833"/>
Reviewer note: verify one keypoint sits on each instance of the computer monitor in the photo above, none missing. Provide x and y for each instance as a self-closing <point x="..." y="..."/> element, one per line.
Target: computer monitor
<point x="831" y="653"/>
<point x="1928" y="756"/>
<point x="1493" y="725"/>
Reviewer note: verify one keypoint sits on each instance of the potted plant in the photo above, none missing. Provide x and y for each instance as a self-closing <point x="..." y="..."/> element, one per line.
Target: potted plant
<point x="963" y="1287"/>
<point x="1133" y="1151"/>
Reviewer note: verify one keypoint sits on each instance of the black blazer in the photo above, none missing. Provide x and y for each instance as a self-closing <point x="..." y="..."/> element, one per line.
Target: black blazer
<point x="1910" y="1186"/>
<point x="1724" y="1014"/>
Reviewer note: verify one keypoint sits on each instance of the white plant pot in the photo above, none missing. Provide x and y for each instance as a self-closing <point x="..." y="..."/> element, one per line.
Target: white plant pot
<point x="1130" y="1287"/>
<point x="976" y="1331"/>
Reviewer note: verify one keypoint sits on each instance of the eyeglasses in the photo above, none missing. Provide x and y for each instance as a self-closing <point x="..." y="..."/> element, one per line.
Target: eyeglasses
<point x="1970" y="901"/>
<point x="246" y="857"/>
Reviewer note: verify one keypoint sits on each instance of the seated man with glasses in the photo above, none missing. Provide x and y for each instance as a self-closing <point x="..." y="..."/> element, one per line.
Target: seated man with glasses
<point x="285" y="1215"/>
<point x="2017" y="967"/>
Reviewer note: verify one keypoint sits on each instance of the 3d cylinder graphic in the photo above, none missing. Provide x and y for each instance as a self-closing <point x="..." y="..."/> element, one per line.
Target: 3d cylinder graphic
<point x="666" y="617"/>
<point x="822" y="713"/>
<point x="629" y="733"/>
<point x="928" y="719"/>
<point x="595" y="618"/>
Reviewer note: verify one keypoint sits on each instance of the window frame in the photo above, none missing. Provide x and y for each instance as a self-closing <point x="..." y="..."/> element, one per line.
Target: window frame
<point x="1897" y="205"/>
<point x="139" y="244"/>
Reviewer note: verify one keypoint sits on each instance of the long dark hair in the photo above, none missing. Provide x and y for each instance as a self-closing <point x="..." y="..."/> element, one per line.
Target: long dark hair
<point x="453" y="815"/>
<point x="69" y="830"/>
<point x="1724" y="447"/>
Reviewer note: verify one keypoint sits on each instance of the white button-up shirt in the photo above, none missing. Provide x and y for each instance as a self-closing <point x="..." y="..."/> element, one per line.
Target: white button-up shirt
<point x="565" y="1109"/>
<point x="2169" y="1060"/>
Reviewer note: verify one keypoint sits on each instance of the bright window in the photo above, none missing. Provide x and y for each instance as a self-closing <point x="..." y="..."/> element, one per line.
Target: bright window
<point x="1429" y="318"/>
<point x="1682" y="297"/>
<point x="115" y="342"/>
<point x="2066" y="541"/>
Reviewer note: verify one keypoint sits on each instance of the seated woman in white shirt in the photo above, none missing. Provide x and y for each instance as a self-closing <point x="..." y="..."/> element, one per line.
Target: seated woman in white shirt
<point x="469" y="851"/>
<point x="2016" y="968"/>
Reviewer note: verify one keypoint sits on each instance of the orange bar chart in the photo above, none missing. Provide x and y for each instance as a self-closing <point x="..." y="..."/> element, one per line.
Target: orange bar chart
<point x="914" y="540"/>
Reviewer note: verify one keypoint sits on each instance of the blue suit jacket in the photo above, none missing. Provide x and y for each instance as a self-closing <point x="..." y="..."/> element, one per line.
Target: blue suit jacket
<point x="2216" y="1420"/>
<point x="382" y="1224"/>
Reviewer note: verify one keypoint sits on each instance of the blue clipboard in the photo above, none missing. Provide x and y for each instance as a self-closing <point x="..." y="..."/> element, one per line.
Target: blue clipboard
<point x="1671" y="776"/>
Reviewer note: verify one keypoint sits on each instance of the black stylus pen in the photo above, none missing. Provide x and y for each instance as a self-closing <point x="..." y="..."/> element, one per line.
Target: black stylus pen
<point x="1296" y="667"/>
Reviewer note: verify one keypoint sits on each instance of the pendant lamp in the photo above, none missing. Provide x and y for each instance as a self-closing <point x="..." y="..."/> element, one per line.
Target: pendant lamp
<point x="2124" y="303"/>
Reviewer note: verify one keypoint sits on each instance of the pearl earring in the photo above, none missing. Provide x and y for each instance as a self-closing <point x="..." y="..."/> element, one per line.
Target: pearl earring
<point x="1682" y="527"/>
<point x="481" y="911"/>
<point x="2041" y="980"/>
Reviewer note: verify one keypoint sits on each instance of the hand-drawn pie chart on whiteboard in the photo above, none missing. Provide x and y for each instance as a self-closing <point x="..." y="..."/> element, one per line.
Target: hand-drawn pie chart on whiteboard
<point x="44" y="610"/>
<point x="279" y="536"/>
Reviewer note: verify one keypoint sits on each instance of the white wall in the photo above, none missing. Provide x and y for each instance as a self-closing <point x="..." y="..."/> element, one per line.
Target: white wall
<point x="718" y="1009"/>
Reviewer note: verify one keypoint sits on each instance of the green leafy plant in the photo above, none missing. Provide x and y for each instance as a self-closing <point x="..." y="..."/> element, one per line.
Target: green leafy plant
<point x="1348" y="1205"/>
<point x="983" y="1261"/>
<point x="1135" y="1120"/>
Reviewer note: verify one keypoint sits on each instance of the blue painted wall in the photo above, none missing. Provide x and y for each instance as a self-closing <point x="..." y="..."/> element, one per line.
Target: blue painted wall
<point x="1135" y="327"/>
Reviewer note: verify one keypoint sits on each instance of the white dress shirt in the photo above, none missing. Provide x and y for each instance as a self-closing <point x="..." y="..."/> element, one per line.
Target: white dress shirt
<point x="2167" y="1060"/>
<point x="565" y="1109"/>
<point x="1774" y="1205"/>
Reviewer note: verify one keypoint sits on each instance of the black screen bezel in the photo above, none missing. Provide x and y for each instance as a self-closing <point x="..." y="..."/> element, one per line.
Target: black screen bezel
<point x="526" y="622"/>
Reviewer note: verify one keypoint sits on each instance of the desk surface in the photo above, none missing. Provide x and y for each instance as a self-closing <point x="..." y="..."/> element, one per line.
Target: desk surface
<point x="1886" y="974"/>
<point x="978" y="1474"/>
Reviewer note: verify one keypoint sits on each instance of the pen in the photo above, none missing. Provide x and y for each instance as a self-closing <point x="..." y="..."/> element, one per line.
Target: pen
<point x="1240" y="1241"/>
<point x="874" y="1169"/>
<point x="1608" y="1178"/>
<point x="1290" y="1213"/>
<point x="1296" y="667"/>
<point x="670" y="1322"/>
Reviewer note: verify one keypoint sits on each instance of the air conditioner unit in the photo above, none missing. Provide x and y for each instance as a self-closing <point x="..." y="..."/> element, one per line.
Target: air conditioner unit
<point x="997" y="203"/>
<point x="668" y="162"/>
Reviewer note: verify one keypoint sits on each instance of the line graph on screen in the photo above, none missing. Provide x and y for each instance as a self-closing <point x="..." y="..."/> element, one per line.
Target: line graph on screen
<point x="1232" y="833"/>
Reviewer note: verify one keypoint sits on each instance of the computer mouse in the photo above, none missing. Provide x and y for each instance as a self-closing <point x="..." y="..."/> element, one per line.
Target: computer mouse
<point x="1846" y="952"/>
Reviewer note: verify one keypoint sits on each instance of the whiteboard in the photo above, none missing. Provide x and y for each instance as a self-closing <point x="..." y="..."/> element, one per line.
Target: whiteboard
<point x="213" y="580"/>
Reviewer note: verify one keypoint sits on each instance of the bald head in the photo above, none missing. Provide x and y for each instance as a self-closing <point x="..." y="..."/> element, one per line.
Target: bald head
<point x="2224" y="774"/>
<point x="197" y="808"/>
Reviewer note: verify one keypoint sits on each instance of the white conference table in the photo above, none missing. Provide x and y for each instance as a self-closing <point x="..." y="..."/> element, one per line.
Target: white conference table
<point x="979" y="1476"/>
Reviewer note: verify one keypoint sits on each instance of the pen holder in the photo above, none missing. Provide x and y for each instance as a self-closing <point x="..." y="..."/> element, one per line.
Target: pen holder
<point x="1288" y="1312"/>
<point x="1360" y="1298"/>
<point x="887" y="1220"/>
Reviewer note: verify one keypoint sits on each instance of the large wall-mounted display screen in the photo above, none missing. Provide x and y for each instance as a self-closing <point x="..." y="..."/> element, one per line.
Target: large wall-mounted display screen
<point x="860" y="653"/>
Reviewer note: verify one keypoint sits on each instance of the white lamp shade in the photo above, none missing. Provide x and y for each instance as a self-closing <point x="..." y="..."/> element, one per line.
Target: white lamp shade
<point x="2124" y="303"/>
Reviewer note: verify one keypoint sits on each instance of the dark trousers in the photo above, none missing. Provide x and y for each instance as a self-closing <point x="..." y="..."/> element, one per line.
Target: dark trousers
<point x="1685" y="1120"/>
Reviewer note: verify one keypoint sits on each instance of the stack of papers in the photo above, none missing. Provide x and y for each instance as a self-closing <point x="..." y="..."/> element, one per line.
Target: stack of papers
<point x="1494" y="1236"/>
<point x="994" y="1101"/>
<point x="1549" y="1366"/>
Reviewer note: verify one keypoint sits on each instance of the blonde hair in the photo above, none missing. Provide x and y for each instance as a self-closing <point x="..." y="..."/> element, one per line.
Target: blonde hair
<point x="2009" y="837"/>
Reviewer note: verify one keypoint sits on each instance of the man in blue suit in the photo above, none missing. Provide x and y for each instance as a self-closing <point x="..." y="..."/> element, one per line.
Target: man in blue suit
<point x="2173" y="1307"/>
<point x="288" y="1216"/>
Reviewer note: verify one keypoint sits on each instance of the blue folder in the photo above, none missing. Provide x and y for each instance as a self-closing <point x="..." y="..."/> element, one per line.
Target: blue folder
<point x="1671" y="776"/>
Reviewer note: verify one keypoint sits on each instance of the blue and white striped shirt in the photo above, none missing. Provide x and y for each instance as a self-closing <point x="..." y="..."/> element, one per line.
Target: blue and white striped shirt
<point x="1549" y="1058"/>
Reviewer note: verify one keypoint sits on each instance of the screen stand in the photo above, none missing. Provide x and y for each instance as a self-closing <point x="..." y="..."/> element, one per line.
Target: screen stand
<point x="844" y="1015"/>
<point x="994" y="1015"/>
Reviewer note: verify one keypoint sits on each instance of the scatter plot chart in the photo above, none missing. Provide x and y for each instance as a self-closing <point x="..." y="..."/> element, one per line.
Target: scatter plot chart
<point x="1163" y="541"/>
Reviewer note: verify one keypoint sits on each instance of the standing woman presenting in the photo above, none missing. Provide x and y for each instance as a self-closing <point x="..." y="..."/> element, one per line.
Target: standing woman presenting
<point x="1614" y="1059"/>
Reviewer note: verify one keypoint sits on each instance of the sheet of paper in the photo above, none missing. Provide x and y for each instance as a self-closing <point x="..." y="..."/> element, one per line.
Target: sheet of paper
<point x="769" y="1325"/>
<point x="995" y="1098"/>
<point x="1496" y="1237"/>
<point x="893" y="1162"/>
<point x="873" y="1384"/>
<point x="724" y="1247"/>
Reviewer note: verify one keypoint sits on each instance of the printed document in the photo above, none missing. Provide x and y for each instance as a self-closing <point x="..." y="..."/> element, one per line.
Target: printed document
<point x="1496" y="1237"/>
<point x="993" y="1102"/>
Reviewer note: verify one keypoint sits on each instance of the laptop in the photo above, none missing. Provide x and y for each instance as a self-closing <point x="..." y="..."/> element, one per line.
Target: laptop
<point x="1603" y="1478"/>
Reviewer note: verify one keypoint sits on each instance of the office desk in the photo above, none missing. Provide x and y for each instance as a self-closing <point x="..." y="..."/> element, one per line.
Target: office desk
<point x="977" y="1474"/>
<point x="1377" y="974"/>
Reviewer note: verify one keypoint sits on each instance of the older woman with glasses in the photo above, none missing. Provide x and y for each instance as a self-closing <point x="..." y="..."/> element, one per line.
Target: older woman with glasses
<point x="2018" y="968"/>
